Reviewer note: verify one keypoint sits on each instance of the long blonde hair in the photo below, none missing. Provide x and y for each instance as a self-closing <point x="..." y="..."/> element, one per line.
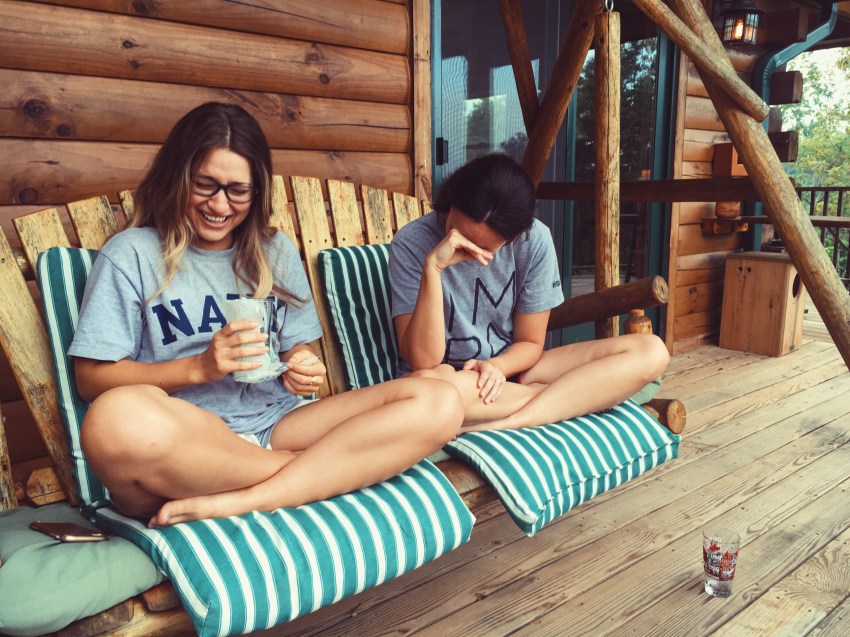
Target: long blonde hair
<point x="163" y="196"/>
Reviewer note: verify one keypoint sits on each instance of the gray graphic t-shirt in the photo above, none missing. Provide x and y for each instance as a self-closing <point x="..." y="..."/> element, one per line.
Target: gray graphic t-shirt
<point x="119" y="319"/>
<point x="478" y="301"/>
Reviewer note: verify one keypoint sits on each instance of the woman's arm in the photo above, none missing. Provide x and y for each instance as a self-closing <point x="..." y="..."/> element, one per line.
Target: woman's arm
<point x="219" y="359"/>
<point x="422" y="335"/>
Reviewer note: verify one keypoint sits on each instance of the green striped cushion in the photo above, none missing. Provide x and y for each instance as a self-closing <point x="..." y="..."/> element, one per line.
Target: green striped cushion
<point x="539" y="473"/>
<point x="251" y="572"/>
<point x="542" y="472"/>
<point x="240" y="574"/>
<point x="62" y="274"/>
<point x="357" y="290"/>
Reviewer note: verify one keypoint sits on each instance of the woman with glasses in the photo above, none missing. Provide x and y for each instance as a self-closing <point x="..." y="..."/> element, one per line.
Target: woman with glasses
<point x="170" y="432"/>
<point x="472" y="287"/>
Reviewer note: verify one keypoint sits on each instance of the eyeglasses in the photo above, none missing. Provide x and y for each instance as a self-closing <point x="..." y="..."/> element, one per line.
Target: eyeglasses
<point x="235" y="192"/>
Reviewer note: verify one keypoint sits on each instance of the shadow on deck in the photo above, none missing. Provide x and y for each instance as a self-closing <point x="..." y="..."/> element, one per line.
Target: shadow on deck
<point x="765" y="453"/>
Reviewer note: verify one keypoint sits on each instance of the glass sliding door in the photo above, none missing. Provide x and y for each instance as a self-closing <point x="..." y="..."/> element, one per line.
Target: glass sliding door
<point x="477" y="111"/>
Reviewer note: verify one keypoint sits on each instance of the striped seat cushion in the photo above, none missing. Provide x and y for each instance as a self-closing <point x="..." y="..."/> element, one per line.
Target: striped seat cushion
<point x="250" y="572"/>
<point x="357" y="290"/>
<point x="540" y="473"/>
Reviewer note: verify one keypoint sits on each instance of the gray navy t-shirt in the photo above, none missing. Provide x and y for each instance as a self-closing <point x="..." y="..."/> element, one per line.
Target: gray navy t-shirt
<point x="116" y="323"/>
<point x="478" y="301"/>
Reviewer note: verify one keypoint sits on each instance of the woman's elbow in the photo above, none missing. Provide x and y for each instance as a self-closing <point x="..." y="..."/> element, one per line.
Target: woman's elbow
<point x="86" y="387"/>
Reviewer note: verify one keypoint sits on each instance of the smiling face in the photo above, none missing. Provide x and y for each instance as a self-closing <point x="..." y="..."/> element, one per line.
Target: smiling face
<point x="215" y="218"/>
<point x="479" y="232"/>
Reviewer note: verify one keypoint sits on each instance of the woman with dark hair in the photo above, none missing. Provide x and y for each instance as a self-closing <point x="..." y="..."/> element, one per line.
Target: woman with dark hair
<point x="473" y="284"/>
<point x="170" y="432"/>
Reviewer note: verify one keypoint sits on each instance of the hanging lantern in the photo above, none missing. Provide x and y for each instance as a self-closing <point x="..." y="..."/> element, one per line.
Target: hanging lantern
<point x="740" y="22"/>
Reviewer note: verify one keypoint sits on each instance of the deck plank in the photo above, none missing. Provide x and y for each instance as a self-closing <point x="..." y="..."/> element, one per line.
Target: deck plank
<point x="801" y="600"/>
<point x="766" y="450"/>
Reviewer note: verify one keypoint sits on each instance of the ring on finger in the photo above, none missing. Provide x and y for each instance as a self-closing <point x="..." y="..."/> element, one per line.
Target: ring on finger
<point x="312" y="380"/>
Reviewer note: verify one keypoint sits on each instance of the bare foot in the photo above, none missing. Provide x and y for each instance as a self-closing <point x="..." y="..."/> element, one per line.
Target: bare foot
<point x="203" y="507"/>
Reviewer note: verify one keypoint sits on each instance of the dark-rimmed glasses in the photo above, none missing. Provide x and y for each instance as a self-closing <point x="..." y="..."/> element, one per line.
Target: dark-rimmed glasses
<point x="235" y="192"/>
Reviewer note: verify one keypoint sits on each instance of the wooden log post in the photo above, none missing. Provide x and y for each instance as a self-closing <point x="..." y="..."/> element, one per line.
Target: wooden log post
<point x="7" y="485"/>
<point x="565" y="75"/>
<point x="783" y="207"/>
<point x="723" y="75"/>
<point x="517" y="40"/>
<point x="607" y="171"/>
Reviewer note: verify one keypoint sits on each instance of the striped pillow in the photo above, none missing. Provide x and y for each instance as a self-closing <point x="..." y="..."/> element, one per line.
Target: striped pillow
<point x="240" y="574"/>
<point x="357" y="290"/>
<point x="540" y="473"/>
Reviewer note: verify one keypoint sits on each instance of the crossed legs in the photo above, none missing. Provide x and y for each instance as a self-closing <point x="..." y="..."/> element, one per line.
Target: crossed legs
<point x="163" y="457"/>
<point x="566" y="382"/>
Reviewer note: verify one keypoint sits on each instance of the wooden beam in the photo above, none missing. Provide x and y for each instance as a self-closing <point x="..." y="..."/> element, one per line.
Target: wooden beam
<point x="643" y="293"/>
<point x="565" y="76"/>
<point x="421" y="66"/>
<point x="520" y="60"/>
<point x="781" y="203"/>
<point x="786" y="87"/>
<point x="704" y="59"/>
<point x="7" y="484"/>
<point x="709" y="189"/>
<point x="607" y="171"/>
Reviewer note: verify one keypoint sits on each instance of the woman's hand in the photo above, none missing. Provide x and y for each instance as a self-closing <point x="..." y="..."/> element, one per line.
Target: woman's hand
<point x="305" y="374"/>
<point x="491" y="379"/>
<point x="219" y="359"/>
<point x="455" y="248"/>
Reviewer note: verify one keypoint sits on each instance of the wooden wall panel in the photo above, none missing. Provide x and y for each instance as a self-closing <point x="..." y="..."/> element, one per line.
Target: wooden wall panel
<point x="58" y="39"/>
<point x="698" y="260"/>
<point x="364" y="24"/>
<point x="41" y="172"/>
<point x="58" y="106"/>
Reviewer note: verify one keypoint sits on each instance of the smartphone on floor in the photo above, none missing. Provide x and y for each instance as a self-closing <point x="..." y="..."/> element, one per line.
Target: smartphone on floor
<point x="69" y="532"/>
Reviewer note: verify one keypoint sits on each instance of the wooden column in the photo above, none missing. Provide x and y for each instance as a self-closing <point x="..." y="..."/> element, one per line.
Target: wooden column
<point x="421" y="66"/>
<point x="782" y="205"/>
<point x="607" y="175"/>
<point x="7" y="485"/>
<point x="517" y="40"/>
<point x="565" y="75"/>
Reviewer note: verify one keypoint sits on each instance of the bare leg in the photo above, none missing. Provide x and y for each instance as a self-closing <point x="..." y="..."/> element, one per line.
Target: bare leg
<point x="349" y="441"/>
<point x="566" y="382"/>
<point x="586" y="377"/>
<point x="148" y="447"/>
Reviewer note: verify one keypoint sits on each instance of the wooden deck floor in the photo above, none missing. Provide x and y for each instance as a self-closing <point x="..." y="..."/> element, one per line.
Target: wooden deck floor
<point x="765" y="452"/>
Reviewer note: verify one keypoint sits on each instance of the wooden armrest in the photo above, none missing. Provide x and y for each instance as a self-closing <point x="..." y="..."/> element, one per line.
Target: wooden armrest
<point x="614" y="301"/>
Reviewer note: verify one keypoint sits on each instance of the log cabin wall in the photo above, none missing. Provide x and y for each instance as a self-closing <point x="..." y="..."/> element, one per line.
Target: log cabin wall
<point x="697" y="260"/>
<point x="92" y="87"/>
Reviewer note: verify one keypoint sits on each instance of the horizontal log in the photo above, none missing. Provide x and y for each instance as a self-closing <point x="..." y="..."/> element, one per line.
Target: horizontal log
<point x="818" y="221"/>
<point x="77" y="107"/>
<point x="669" y="412"/>
<point x="363" y="24"/>
<point x="94" y="43"/>
<point x="707" y="189"/>
<point x="49" y="173"/>
<point x="643" y="293"/>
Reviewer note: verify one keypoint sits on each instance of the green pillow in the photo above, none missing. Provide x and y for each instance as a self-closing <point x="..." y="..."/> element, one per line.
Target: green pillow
<point x="45" y="584"/>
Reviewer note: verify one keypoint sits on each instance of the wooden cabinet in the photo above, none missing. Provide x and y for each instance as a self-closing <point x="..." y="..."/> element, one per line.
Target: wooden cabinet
<point x="763" y="304"/>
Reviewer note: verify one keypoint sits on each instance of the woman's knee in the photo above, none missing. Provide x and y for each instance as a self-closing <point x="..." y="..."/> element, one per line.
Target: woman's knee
<point x="440" y="405"/>
<point x="654" y="355"/>
<point x="118" y="420"/>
